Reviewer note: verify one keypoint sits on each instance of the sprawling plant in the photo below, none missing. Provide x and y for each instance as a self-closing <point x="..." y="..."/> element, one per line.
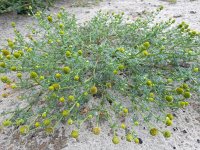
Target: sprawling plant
<point x="126" y="73"/>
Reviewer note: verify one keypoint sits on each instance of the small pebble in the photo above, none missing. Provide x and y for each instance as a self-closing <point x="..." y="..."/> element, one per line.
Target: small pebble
<point x="177" y="16"/>
<point x="175" y="128"/>
<point x="198" y="141"/>
<point x="122" y="137"/>
<point x="187" y="120"/>
<point x="193" y="12"/>
<point x="140" y="141"/>
<point x="184" y="131"/>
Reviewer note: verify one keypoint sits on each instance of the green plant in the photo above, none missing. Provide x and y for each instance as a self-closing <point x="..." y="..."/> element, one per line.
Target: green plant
<point x="106" y="69"/>
<point x="85" y="3"/>
<point x="172" y="1"/>
<point x="23" y="6"/>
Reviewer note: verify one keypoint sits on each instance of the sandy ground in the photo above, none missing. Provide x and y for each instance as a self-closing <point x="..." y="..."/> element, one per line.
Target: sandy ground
<point x="186" y="128"/>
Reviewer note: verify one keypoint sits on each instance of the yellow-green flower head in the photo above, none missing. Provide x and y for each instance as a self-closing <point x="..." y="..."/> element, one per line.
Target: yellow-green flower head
<point x="49" y="130"/>
<point x="7" y="123"/>
<point x="136" y="140"/>
<point x="65" y="113"/>
<point x="54" y="95"/>
<point x="136" y="123"/>
<point x="161" y="8"/>
<point x="85" y="93"/>
<point x="145" y="53"/>
<point x="38" y="14"/>
<point x="76" y="78"/>
<point x="129" y="137"/>
<point x="69" y="121"/>
<point x="123" y="126"/>
<point x="182" y="104"/>
<point x="74" y="134"/>
<point x="170" y="116"/>
<point x="24" y="129"/>
<point x="4" y="79"/>
<point x="167" y="134"/>
<point x="21" y="52"/>
<point x="151" y="99"/>
<point x="186" y="94"/>
<point x="121" y="49"/>
<point x="196" y="69"/>
<point x="2" y="64"/>
<point x="8" y="57"/>
<point x="71" y="98"/>
<point x="59" y="15"/>
<point x="33" y="75"/>
<point x="62" y="99"/>
<point x="50" y="41"/>
<point x="80" y="52"/>
<point x="51" y="88"/>
<point x="149" y="83"/>
<point x="162" y="48"/>
<point x="96" y="130"/>
<point x="146" y="45"/>
<point x="66" y="70"/>
<point x="19" y="75"/>
<point x="108" y="85"/>
<point x="41" y="77"/>
<point x="115" y="72"/>
<point x="169" y="98"/>
<point x="169" y="80"/>
<point x="49" y="18"/>
<point x="4" y="95"/>
<point x="5" y="52"/>
<point x="152" y="95"/>
<point x="153" y="131"/>
<point x="29" y="49"/>
<point x="121" y="67"/>
<point x="93" y="90"/>
<point x="186" y="103"/>
<point x="47" y="122"/>
<point x="61" y="25"/>
<point x="56" y="86"/>
<point x="168" y="122"/>
<point x="37" y="124"/>
<point x="68" y="54"/>
<point x="13" y="86"/>
<point x="115" y="140"/>
<point x="185" y="86"/>
<point x="125" y="110"/>
<point x="90" y="116"/>
<point x="77" y="105"/>
<point x="44" y="114"/>
<point x="179" y="90"/>
<point x="16" y="54"/>
<point x="11" y="44"/>
<point x="1" y="56"/>
<point x="61" y="32"/>
<point x="13" y="68"/>
<point x="58" y="75"/>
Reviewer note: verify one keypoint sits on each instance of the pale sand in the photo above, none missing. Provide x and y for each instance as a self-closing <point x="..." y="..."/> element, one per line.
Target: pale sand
<point x="187" y="123"/>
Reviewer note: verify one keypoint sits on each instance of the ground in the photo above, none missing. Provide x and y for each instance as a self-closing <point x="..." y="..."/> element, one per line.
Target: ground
<point x="186" y="128"/>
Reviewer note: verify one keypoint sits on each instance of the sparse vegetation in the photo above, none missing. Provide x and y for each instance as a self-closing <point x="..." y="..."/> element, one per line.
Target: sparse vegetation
<point x="105" y="70"/>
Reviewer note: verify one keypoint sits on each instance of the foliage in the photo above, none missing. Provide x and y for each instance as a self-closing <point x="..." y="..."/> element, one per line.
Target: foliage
<point x="84" y="3"/>
<point x="23" y="6"/>
<point x="127" y="73"/>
